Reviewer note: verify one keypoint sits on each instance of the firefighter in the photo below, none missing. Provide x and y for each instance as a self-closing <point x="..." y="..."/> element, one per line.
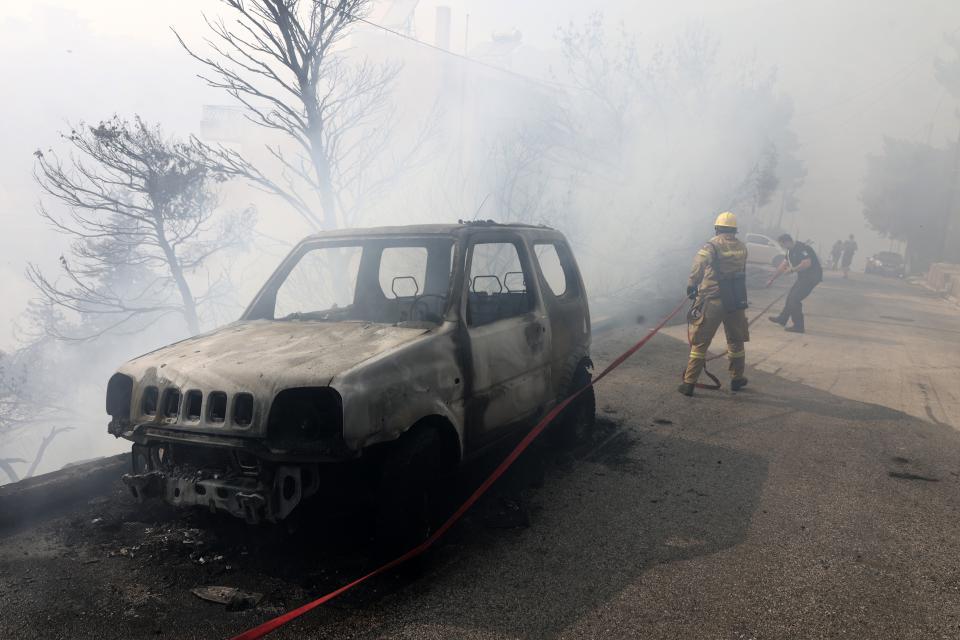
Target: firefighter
<point x="718" y="287"/>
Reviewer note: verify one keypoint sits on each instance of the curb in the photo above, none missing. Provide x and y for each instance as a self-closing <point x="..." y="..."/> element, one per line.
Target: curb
<point x="41" y="496"/>
<point x="943" y="295"/>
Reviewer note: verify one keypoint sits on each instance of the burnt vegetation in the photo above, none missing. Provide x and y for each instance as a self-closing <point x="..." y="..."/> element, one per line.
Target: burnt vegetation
<point x="27" y="404"/>
<point x="139" y="209"/>
<point x="333" y="116"/>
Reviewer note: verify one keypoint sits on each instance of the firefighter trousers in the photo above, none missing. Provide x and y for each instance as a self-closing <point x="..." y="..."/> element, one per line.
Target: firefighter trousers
<point x="704" y="320"/>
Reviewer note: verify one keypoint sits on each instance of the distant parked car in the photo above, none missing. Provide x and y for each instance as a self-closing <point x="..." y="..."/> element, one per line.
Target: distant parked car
<point x="763" y="250"/>
<point x="886" y="263"/>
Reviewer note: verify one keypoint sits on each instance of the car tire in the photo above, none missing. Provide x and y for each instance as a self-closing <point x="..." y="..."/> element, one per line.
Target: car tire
<point x="410" y="479"/>
<point x="575" y="424"/>
<point x="778" y="260"/>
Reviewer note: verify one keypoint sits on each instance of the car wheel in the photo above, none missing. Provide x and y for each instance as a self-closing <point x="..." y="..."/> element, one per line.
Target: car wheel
<point x="778" y="260"/>
<point x="575" y="424"/>
<point x="409" y="484"/>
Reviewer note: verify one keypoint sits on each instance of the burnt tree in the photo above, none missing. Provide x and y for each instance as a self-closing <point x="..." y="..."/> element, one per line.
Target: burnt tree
<point x="139" y="208"/>
<point x="279" y="59"/>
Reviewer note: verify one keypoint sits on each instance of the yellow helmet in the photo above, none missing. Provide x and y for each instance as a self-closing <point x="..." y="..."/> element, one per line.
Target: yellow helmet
<point x="726" y="219"/>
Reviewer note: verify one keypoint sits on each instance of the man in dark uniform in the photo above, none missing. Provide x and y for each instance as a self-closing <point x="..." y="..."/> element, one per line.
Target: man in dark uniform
<point x="849" y="248"/>
<point x="717" y="283"/>
<point x="835" y="254"/>
<point x="801" y="260"/>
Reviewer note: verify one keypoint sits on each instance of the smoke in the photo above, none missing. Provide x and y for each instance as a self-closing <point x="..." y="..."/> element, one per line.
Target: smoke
<point x="631" y="154"/>
<point x="628" y="129"/>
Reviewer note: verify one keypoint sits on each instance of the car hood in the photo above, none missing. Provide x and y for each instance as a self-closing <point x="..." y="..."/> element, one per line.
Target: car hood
<point x="263" y="356"/>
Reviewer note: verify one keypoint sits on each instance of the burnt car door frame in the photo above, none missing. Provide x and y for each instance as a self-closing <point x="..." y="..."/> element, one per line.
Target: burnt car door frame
<point x="568" y="314"/>
<point x="507" y="361"/>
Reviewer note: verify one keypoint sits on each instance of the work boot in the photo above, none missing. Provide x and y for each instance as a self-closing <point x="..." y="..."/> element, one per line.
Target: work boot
<point x="686" y="388"/>
<point x="738" y="383"/>
<point x="780" y="321"/>
<point x="794" y="329"/>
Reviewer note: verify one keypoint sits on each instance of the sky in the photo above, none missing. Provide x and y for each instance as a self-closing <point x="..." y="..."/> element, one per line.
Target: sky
<point x="856" y="70"/>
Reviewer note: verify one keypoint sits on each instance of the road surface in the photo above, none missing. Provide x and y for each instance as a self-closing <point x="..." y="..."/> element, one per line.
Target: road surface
<point x="822" y="501"/>
<point x="870" y="339"/>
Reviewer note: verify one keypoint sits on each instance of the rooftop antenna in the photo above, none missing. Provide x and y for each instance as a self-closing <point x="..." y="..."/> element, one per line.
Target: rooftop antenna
<point x="480" y="208"/>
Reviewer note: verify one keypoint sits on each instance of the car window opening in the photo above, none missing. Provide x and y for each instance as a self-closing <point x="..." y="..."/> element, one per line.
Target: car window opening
<point x="399" y="283"/>
<point x="497" y="285"/>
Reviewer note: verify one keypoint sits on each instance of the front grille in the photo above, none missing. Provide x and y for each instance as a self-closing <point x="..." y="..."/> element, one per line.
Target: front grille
<point x="149" y="402"/>
<point x="216" y="407"/>
<point x="194" y="405"/>
<point x="243" y="409"/>
<point x="171" y="403"/>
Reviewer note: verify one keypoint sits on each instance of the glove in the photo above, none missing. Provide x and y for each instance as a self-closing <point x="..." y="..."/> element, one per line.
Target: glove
<point x="691" y="292"/>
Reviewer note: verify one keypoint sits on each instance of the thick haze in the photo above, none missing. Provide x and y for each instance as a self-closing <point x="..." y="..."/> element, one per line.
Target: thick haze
<point x="854" y="73"/>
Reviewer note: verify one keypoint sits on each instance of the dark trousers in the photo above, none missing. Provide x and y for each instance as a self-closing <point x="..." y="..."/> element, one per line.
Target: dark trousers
<point x="793" y="308"/>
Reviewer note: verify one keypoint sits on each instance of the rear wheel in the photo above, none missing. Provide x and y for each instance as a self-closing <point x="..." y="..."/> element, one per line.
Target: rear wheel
<point x="575" y="424"/>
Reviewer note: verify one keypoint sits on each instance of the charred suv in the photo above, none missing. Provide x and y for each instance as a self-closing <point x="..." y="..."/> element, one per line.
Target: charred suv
<point x="383" y="356"/>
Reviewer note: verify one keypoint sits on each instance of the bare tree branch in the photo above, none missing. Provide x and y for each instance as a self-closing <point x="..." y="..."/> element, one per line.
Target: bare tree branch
<point x="47" y="439"/>
<point x="279" y="60"/>
<point x="139" y="208"/>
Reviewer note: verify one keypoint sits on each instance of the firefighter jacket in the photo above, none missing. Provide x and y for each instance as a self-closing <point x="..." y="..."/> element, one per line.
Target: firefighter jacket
<point x="719" y="259"/>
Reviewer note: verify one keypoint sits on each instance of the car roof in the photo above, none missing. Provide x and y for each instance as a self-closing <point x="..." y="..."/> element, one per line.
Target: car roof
<point x="460" y="228"/>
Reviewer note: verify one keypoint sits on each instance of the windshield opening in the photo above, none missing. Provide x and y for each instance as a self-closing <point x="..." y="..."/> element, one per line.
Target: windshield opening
<point x="384" y="281"/>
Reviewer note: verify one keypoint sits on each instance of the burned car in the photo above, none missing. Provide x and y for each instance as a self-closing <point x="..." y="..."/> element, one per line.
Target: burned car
<point x="382" y="357"/>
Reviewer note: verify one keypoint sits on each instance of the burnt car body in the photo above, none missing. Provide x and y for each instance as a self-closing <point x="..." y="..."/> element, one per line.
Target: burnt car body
<point x="403" y="351"/>
<point x="886" y="263"/>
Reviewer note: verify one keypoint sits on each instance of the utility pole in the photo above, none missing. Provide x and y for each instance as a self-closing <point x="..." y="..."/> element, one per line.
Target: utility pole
<point x="950" y="244"/>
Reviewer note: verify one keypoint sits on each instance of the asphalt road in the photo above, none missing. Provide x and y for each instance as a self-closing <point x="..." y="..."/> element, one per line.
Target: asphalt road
<point x="821" y="501"/>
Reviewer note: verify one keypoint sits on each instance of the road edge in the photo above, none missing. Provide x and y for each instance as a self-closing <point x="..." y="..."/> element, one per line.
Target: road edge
<point x="41" y="497"/>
